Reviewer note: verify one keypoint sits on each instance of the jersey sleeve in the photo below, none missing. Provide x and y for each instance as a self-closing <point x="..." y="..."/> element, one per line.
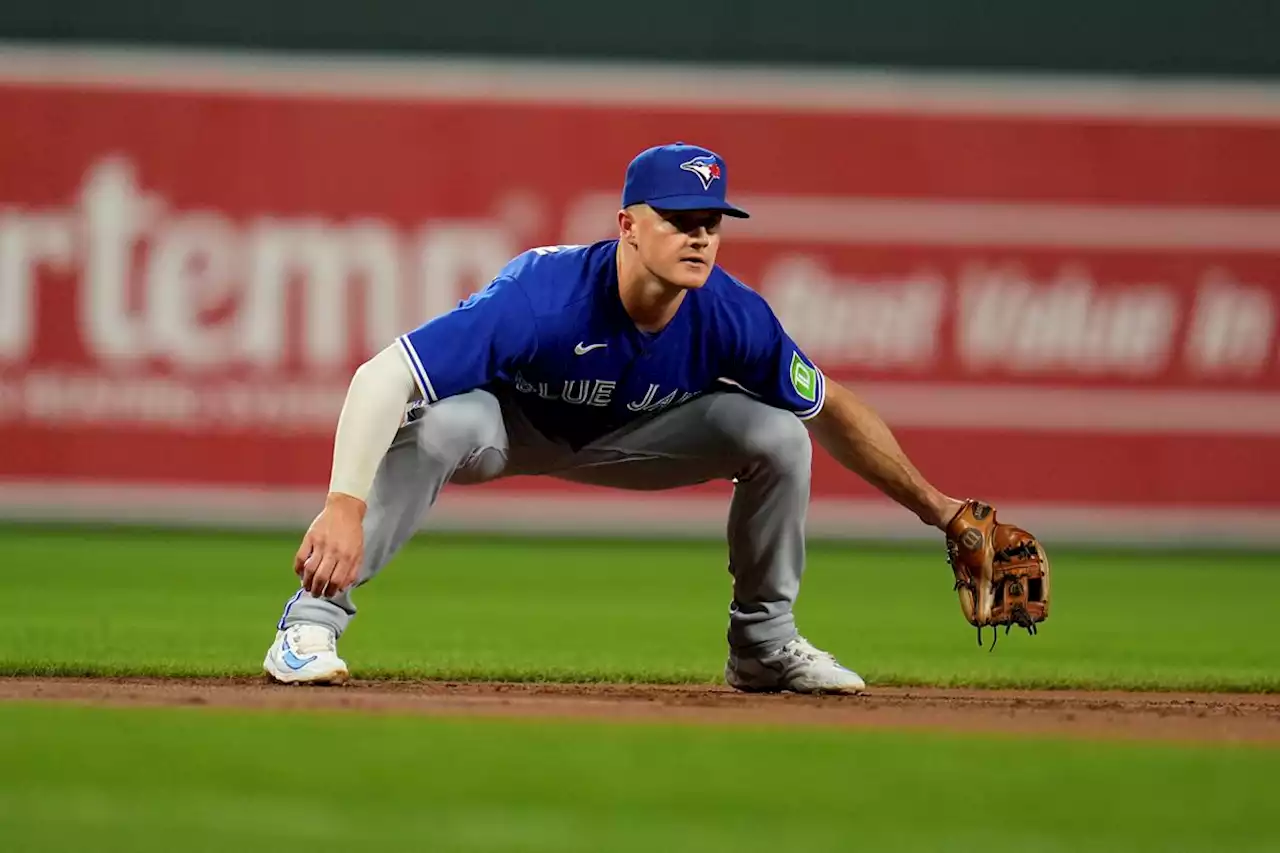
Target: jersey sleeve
<point x="487" y="337"/>
<point x="770" y="365"/>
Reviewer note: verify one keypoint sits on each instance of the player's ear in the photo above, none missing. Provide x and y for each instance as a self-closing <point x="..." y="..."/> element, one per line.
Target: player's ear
<point x="627" y="225"/>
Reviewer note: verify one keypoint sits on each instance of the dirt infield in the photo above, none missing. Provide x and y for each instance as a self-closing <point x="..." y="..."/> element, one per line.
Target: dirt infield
<point x="1129" y="716"/>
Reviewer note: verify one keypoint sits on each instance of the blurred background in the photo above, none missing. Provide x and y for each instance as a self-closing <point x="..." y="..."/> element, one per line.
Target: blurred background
<point x="1043" y="239"/>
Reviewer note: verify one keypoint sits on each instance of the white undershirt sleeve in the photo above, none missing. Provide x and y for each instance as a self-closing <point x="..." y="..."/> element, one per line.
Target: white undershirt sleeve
<point x="371" y="415"/>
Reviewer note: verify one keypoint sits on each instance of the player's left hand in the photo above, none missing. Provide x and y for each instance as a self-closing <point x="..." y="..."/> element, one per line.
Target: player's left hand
<point x="332" y="551"/>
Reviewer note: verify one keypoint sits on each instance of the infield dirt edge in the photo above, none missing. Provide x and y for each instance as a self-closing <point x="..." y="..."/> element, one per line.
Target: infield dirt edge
<point x="1110" y="715"/>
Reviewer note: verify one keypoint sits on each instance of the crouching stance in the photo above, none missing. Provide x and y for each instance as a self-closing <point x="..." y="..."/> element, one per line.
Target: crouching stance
<point x="632" y="363"/>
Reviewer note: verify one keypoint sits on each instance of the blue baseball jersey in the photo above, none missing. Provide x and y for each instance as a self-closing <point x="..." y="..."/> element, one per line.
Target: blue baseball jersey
<point x="551" y="329"/>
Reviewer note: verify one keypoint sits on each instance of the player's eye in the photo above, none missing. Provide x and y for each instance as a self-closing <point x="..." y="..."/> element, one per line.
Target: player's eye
<point x="692" y="223"/>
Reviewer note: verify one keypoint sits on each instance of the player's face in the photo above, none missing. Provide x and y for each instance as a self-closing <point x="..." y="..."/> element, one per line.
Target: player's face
<point x="676" y="246"/>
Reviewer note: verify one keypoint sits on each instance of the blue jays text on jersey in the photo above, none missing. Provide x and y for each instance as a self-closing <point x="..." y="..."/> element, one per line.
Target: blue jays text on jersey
<point x="552" y="329"/>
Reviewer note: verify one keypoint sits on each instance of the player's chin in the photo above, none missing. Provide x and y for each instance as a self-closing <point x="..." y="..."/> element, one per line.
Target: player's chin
<point x="689" y="274"/>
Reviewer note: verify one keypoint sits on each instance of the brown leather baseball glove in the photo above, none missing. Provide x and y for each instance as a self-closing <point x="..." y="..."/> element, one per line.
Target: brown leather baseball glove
<point x="1002" y="571"/>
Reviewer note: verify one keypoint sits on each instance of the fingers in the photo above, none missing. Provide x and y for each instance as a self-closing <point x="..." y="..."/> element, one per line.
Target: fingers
<point x="300" y="558"/>
<point x="324" y="571"/>
<point x="330" y="569"/>
<point x="310" y="561"/>
<point x="309" y="567"/>
<point x="347" y="571"/>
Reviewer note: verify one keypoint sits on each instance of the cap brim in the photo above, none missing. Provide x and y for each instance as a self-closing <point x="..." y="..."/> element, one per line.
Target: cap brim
<point x="696" y="202"/>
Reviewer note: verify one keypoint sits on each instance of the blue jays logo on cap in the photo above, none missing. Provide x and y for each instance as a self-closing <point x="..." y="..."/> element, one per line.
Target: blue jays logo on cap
<point x="679" y="177"/>
<point x="706" y="168"/>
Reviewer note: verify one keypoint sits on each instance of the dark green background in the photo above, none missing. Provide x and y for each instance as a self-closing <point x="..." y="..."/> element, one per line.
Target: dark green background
<point x="1199" y="37"/>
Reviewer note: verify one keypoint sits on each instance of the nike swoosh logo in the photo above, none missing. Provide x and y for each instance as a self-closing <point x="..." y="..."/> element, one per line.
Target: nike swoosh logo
<point x="583" y="349"/>
<point x="292" y="661"/>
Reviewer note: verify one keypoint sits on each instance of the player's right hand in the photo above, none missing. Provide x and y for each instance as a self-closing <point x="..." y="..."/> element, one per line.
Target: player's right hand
<point x="332" y="551"/>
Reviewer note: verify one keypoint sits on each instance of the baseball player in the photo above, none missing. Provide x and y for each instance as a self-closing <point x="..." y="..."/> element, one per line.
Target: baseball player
<point x="633" y="363"/>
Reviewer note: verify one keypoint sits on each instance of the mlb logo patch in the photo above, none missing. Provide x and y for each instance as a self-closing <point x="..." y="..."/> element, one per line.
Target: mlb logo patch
<point x="706" y="168"/>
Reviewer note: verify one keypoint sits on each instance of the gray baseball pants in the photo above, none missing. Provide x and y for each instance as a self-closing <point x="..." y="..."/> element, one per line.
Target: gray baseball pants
<point x="478" y="437"/>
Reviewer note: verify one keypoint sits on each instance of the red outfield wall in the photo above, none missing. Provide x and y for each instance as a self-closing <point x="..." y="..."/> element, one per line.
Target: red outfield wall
<point x="1063" y="297"/>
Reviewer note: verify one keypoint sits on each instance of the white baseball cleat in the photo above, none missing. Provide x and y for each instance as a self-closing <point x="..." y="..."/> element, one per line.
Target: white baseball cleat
<point x="305" y="654"/>
<point x="798" y="666"/>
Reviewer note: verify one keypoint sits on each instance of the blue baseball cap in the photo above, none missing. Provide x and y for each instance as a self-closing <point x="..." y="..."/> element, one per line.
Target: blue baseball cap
<point x="678" y="177"/>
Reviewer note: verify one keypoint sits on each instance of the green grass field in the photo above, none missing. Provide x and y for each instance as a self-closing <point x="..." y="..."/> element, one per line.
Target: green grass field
<point x="161" y="780"/>
<point x="114" y="602"/>
<point x="85" y="601"/>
